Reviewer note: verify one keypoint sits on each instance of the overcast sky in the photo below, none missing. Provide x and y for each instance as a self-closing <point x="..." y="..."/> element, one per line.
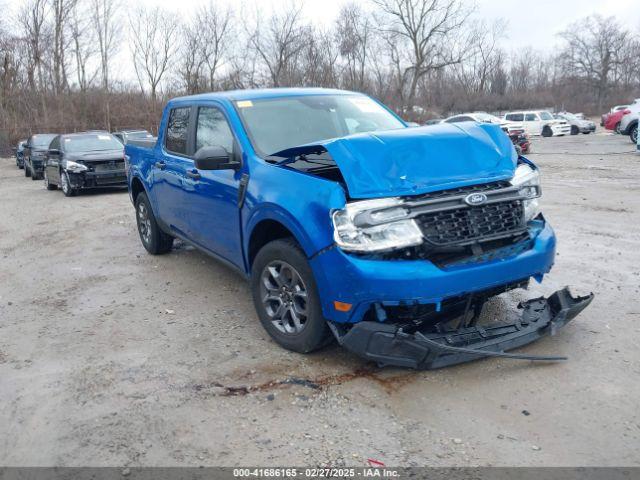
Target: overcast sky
<point x="531" y="22"/>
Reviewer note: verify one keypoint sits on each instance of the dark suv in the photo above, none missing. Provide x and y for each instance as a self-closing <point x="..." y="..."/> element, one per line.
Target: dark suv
<point x="84" y="160"/>
<point x="20" y="153"/>
<point x="35" y="154"/>
<point x="125" y="136"/>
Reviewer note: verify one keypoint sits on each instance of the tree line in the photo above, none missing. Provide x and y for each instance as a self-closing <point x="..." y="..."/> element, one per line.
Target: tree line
<point x="423" y="58"/>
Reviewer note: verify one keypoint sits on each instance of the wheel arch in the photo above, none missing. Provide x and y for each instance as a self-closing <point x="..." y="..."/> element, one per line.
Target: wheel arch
<point x="273" y="224"/>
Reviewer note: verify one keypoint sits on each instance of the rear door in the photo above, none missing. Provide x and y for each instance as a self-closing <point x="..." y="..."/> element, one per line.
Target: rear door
<point x="532" y="123"/>
<point x="52" y="164"/>
<point x="214" y="218"/>
<point x="170" y="170"/>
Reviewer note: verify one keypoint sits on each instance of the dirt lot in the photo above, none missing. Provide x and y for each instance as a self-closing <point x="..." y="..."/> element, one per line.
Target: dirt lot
<point x="109" y="356"/>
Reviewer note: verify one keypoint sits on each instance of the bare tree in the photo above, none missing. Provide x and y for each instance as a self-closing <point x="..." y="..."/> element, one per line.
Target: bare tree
<point x="154" y="41"/>
<point x="61" y="10"/>
<point x="592" y="51"/>
<point x="107" y="29"/>
<point x="430" y="28"/>
<point x="32" y="18"/>
<point x="83" y="46"/>
<point x="279" y="42"/>
<point x="355" y="31"/>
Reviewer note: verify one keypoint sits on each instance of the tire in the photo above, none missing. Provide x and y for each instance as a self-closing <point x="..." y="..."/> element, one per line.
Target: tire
<point x="633" y="134"/>
<point x="47" y="185"/>
<point x="153" y="239"/>
<point x="65" y="184"/>
<point x="282" y="273"/>
<point x="574" y="130"/>
<point x="617" y="128"/>
<point x="34" y="175"/>
<point x="27" y="171"/>
<point x="546" y="131"/>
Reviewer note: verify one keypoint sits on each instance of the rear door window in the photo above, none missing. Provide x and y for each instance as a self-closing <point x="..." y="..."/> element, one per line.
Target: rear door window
<point x="531" y="117"/>
<point x="177" y="130"/>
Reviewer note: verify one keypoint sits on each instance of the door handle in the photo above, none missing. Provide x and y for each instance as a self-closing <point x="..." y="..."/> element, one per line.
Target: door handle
<point x="161" y="165"/>
<point x="193" y="174"/>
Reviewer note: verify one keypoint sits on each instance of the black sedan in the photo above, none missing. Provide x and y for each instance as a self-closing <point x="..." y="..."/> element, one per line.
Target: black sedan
<point x="20" y="153"/>
<point x="84" y="160"/>
<point x="35" y="154"/>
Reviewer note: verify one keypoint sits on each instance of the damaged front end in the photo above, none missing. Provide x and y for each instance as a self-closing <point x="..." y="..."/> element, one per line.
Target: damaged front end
<point x="427" y="345"/>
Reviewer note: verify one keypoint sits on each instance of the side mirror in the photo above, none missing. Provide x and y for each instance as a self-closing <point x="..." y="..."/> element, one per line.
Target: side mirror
<point x="54" y="151"/>
<point x="214" y="158"/>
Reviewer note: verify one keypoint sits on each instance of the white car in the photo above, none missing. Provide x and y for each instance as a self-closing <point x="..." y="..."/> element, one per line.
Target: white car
<point x="539" y="122"/>
<point x="483" y="117"/>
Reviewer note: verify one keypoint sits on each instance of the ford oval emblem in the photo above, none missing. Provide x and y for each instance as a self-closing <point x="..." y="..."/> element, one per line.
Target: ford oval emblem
<point x="475" y="199"/>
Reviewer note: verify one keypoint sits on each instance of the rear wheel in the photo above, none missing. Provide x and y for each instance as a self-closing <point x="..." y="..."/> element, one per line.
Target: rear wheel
<point x="153" y="239"/>
<point x="546" y="131"/>
<point x="574" y="130"/>
<point x="286" y="298"/>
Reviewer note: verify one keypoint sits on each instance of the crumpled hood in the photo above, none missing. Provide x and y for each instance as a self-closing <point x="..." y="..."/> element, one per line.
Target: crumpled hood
<point x="418" y="160"/>
<point x="101" y="155"/>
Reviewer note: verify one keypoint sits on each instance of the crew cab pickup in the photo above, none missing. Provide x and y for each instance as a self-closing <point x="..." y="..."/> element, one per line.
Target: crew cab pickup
<point x="350" y="225"/>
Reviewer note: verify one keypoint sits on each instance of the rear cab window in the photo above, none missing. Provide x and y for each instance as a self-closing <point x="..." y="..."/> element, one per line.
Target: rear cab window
<point x="177" y="130"/>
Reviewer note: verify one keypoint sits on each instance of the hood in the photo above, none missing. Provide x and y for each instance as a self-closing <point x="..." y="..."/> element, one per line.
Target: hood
<point x="95" y="156"/>
<point x="418" y="160"/>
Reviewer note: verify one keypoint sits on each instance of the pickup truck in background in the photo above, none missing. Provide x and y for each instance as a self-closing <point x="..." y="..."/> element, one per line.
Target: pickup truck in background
<point x="350" y="225"/>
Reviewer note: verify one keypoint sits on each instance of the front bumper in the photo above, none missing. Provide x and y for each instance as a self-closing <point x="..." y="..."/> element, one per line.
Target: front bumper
<point x="113" y="178"/>
<point x="387" y="344"/>
<point x="559" y="130"/>
<point x="588" y="129"/>
<point x="364" y="282"/>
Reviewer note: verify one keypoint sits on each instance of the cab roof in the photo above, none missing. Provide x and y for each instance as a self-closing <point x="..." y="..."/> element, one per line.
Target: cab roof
<point x="255" y="94"/>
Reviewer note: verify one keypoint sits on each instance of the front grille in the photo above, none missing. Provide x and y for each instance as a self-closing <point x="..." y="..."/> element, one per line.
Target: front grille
<point x="470" y="224"/>
<point x="111" y="166"/>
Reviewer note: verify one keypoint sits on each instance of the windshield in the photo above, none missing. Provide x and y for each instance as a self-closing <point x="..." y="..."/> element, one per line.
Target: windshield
<point x="280" y="123"/>
<point x="546" y="116"/>
<point x="91" y="143"/>
<point x="41" y="141"/>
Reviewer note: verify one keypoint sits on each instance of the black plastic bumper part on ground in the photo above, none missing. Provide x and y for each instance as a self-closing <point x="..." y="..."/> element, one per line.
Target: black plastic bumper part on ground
<point x="387" y="344"/>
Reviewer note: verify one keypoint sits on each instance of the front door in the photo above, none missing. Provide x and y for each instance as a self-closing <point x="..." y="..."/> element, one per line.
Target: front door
<point x="532" y="123"/>
<point x="214" y="217"/>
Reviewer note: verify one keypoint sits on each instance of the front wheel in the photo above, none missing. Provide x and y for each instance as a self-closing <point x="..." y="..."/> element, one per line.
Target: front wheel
<point x="633" y="134"/>
<point x="27" y="171"/>
<point x="286" y="298"/>
<point x="617" y="128"/>
<point x="574" y="130"/>
<point x="546" y="131"/>
<point x="153" y="239"/>
<point x="67" y="189"/>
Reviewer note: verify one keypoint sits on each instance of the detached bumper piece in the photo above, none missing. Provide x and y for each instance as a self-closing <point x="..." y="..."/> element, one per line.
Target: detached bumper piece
<point x="388" y="344"/>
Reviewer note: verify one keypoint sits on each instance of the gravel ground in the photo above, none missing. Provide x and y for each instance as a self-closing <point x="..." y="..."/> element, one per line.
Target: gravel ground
<point x="109" y="356"/>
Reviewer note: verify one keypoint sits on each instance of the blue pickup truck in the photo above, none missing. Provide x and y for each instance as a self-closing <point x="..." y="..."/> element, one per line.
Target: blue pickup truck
<point x="352" y="226"/>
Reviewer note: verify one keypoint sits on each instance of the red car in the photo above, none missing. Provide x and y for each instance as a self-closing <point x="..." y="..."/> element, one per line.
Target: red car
<point x="612" y="121"/>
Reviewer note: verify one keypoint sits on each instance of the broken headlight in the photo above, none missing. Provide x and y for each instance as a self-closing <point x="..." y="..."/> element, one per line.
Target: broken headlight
<point x="375" y="225"/>
<point x="528" y="179"/>
<point x="75" y="167"/>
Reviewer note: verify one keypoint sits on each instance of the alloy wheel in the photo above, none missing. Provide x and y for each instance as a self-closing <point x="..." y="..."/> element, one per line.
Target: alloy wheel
<point x="284" y="297"/>
<point x="144" y="223"/>
<point x="65" y="183"/>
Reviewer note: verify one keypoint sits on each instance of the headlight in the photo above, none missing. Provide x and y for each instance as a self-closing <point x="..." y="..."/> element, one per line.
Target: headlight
<point x="528" y="180"/>
<point x="76" y="167"/>
<point x="375" y="225"/>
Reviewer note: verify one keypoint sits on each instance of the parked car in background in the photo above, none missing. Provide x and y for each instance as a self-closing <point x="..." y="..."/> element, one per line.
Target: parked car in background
<point x="125" y="136"/>
<point x="433" y="121"/>
<point x="578" y="125"/>
<point x="349" y="224"/>
<point x="629" y="122"/>
<point x="84" y="160"/>
<point x="604" y="118"/>
<point x="612" y="120"/>
<point x="20" y="153"/>
<point x="513" y="130"/>
<point x="35" y="154"/>
<point x="539" y="122"/>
